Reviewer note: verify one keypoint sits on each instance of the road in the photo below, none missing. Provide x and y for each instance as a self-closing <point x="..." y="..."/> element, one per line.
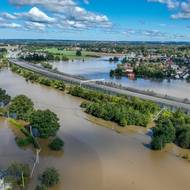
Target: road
<point x="111" y="90"/>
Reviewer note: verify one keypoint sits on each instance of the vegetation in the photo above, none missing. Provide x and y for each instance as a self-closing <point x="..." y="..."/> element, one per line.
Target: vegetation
<point x="172" y="127"/>
<point x="18" y="175"/>
<point x="78" y="53"/>
<point x="114" y="59"/>
<point x="33" y="77"/>
<point x="152" y="71"/>
<point x="50" y="177"/>
<point x="4" y="98"/>
<point x="121" y="110"/>
<point x="68" y="54"/>
<point x="56" y="144"/>
<point x="41" y="187"/>
<point x="46" y="122"/>
<point x="3" y="59"/>
<point x="188" y="79"/>
<point x="42" y="57"/>
<point x="47" y="65"/>
<point x="118" y="72"/>
<point x="21" y="107"/>
<point x="22" y="142"/>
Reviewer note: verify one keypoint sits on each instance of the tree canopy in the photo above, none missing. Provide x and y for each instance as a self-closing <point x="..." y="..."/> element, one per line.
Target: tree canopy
<point x="50" y="177"/>
<point x="17" y="174"/>
<point x="46" y="122"/>
<point x="172" y="127"/>
<point x="22" y="106"/>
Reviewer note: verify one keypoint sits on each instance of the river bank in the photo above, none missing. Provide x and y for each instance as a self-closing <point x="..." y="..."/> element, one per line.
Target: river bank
<point x="96" y="157"/>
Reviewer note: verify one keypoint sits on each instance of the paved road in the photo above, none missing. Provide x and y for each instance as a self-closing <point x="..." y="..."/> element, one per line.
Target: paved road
<point x="75" y="80"/>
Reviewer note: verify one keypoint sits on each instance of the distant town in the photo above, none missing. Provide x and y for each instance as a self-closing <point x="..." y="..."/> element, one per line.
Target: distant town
<point x="151" y="60"/>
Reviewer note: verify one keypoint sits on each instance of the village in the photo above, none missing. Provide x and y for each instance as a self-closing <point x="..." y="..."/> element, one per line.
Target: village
<point x="153" y="65"/>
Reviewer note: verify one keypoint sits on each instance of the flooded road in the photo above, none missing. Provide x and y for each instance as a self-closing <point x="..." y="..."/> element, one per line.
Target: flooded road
<point x="95" y="157"/>
<point x="99" y="68"/>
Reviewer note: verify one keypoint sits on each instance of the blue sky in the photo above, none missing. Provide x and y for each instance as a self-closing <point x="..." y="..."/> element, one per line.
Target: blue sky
<point x="126" y="20"/>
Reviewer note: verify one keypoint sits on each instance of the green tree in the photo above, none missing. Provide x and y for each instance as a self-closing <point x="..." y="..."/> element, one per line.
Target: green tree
<point x="18" y="175"/>
<point x="158" y="143"/>
<point x="56" y="144"/>
<point x="46" y="122"/>
<point x="22" y="106"/>
<point x="163" y="133"/>
<point x="78" y="53"/>
<point x="50" y="177"/>
<point x="183" y="137"/>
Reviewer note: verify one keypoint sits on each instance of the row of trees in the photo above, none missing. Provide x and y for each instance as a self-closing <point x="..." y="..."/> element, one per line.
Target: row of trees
<point x="172" y="128"/>
<point x="122" y="110"/>
<point x="33" y="77"/>
<point x="41" y="57"/>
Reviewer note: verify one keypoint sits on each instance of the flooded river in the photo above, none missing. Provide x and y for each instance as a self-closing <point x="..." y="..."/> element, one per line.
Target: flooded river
<point x="99" y="68"/>
<point x="95" y="157"/>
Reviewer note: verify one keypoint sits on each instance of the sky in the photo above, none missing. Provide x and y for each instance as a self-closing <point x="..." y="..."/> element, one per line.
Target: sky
<point x="115" y="20"/>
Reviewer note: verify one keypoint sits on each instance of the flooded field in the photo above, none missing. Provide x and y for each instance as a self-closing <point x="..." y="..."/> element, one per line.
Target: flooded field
<point x="94" y="157"/>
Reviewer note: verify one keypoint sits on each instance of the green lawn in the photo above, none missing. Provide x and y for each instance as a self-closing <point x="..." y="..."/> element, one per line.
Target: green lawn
<point x="69" y="54"/>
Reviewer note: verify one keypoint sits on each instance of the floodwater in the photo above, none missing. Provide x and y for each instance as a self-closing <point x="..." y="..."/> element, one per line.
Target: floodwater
<point x="95" y="157"/>
<point x="99" y="68"/>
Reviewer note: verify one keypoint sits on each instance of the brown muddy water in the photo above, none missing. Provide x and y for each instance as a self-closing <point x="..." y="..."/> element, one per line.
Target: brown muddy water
<point x="95" y="157"/>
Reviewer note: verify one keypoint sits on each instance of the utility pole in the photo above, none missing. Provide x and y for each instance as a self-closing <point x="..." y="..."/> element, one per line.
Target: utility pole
<point x="22" y="175"/>
<point x="37" y="161"/>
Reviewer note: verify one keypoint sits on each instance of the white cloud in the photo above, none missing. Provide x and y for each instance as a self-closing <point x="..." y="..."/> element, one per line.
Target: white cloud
<point x="170" y="3"/>
<point x="67" y="11"/>
<point x="181" y="7"/>
<point x="35" y="15"/>
<point x="184" y="11"/>
<point x="35" y="26"/>
<point x="10" y="25"/>
<point x="8" y="16"/>
<point x="155" y="34"/>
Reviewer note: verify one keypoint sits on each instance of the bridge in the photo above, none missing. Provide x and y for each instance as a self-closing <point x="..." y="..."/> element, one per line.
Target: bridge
<point x="173" y="103"/>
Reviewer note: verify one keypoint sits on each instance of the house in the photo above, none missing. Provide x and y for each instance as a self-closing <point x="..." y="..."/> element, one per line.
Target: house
<point x="131" y="76"/>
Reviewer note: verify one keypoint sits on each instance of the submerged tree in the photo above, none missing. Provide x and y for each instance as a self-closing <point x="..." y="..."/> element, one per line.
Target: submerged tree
<point x="50" y="177"/>
<point x="21" y="106"/>
<point x="46" y="122"/>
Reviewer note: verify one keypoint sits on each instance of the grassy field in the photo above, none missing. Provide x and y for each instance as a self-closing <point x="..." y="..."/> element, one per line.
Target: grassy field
<point x="69" y="54"/>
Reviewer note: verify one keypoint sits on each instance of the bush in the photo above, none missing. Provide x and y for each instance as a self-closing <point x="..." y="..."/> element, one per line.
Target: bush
<point x="56" y="144"/>
<point x="157" y="143"/>
<point x="23" y="141"/>
<point x="163" y="133"/>
<point x="183" y="137"/>
<point x="50" y="177"/>
<point x="41" y="187"/>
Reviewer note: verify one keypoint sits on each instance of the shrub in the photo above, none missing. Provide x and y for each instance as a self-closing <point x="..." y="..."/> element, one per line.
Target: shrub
<point x="50" y="177"/>
<point x="41" y="187"/>
<point x="23" y="141"/>
<point x="56" y="144"/>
